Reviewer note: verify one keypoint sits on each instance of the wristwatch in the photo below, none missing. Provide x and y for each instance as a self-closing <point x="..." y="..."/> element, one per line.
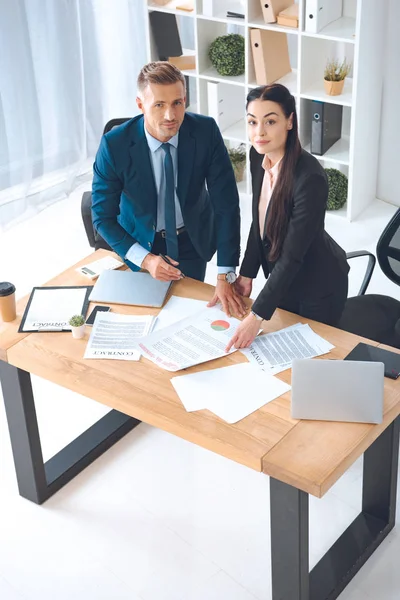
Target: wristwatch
<point x="229" y="277"/>
<point x="256" y="316"/>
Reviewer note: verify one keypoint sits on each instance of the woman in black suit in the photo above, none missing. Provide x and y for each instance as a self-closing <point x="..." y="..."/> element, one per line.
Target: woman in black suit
<point x="306" y="271"/>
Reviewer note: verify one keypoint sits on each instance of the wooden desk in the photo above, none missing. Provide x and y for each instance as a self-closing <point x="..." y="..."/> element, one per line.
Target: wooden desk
<point x="302" y="457"/>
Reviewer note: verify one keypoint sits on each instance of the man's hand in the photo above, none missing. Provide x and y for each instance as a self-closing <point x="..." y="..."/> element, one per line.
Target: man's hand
<point x="159" y="269"/>
<point x="245" y="333"/>
<point x="232" y="303"/>
<point x="244" y="285"/>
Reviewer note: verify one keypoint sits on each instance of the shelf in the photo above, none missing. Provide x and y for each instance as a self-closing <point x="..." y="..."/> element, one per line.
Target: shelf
<point x="259" y="23"/>
<point x="341" y="30"/>
<point x="317" y="92"/>
<point x="220" y="10"/>
<point x="236" y="132"/>
<point x="222" y="18"/>
<point x="338" y="153"/>
<point x="341" y="213"/>
<point x="358" y="36"/>
<point x="289" y="80"/>
<point x="212" y="74"/>
<point x="171" y="8"/>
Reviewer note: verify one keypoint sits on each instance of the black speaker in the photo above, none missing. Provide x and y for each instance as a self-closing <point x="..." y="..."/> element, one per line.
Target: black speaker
<point x="166" y="34"/>
<point x="326" y="126"/>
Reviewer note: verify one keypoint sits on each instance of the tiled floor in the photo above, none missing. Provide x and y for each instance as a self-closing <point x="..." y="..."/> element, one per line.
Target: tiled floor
<point x="156" y="518"/>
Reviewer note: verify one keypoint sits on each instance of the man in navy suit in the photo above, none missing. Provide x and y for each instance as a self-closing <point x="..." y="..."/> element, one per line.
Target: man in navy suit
<point x="163" y="185"/>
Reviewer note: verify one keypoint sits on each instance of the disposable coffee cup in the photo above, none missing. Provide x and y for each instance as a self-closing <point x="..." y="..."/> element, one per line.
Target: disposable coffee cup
<point x="7" y="302"/>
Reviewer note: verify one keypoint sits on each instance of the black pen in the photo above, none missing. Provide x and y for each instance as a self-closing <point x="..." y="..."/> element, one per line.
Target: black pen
<point x="170" y="263"/>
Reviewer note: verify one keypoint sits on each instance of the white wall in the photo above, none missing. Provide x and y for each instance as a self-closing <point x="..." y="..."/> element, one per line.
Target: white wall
<point x="388" y="188"/>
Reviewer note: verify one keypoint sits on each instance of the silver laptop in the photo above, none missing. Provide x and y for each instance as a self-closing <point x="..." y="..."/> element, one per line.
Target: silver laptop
<point x="129" y="287"/>
<point x="337" y="390"/>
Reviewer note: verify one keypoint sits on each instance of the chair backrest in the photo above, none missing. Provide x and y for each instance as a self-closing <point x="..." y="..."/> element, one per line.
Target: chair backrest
<point x="115" y="123"/>
<point x="95" y="240"/>
<point x="388" y="249"/>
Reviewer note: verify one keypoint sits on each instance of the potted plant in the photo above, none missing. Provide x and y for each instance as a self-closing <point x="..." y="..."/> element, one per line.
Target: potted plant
<point x="335" y="73"/>
<point x="227" y="54"/>
<point x="337" y="189"/>
<point x="77" y="323"/>
<point x="238" y="160"/>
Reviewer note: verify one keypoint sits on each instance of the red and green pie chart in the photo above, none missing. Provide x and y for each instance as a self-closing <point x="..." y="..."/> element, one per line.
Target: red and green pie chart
<point x="220" y="325"/>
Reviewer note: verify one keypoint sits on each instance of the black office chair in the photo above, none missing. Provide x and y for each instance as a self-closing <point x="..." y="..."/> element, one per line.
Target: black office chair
<point x="375" y="316"/>
<point x="95" y="240"/>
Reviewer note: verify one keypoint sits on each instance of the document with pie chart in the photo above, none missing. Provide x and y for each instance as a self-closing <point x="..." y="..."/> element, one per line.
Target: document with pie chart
<point x="191" y="341"/>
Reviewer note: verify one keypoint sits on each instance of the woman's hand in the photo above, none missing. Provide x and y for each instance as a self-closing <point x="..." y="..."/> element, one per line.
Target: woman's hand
<point x="244" y="285"/>
<point x="245" y="333"/>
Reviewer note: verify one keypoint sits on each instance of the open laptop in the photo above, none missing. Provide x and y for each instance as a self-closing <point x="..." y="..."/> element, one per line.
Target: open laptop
<point x="128" y="287"/>
<point x="337" y="390"/>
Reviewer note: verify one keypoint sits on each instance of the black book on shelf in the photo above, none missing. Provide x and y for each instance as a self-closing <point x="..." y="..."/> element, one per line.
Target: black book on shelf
<point x="166" y="34"/>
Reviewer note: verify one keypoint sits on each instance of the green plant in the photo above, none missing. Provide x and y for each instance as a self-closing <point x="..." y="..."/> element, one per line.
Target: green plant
<point x="227" y="54"/>
<point x="238" y="160"/>
<point x="77" y="320"/>
<point x="336" y="70"/>
<point x="337" y="194"/>
<point x="237" y="155"/>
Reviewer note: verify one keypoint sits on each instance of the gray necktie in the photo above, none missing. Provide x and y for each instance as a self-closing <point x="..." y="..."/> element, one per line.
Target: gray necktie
<point x="171" y="237"/>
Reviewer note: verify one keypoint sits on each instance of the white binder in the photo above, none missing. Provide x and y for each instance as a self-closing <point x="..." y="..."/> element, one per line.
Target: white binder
<point x="319" y="13"/>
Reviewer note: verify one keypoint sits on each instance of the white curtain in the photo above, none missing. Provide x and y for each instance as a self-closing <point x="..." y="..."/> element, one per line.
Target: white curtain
<point x="66" y="68"/>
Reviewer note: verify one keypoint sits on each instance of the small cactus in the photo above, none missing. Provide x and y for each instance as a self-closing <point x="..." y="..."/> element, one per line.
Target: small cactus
<point x="77" y="320"/>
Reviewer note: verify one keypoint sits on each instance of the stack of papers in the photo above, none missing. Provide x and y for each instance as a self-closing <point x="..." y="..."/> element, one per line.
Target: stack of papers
<point x="191" y="341"/>
<point x="231" y="393"/>
<point x="116" y="336"/>
<point x="274" y="352"/>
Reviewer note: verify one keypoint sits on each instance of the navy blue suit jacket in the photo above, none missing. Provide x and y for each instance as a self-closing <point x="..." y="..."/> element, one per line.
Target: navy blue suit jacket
<point x="124" y="196"/>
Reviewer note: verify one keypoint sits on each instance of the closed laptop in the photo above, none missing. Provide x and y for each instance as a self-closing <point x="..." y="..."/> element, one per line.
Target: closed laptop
<point x="128" y="287"/>
<point x="337" y="390"/>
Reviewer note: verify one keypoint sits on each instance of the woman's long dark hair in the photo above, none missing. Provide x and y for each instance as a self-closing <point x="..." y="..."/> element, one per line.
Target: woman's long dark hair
<point x="279" y="213"/>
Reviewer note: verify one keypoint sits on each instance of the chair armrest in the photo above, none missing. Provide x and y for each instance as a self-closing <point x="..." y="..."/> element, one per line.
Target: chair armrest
<point x="369" y="270"/>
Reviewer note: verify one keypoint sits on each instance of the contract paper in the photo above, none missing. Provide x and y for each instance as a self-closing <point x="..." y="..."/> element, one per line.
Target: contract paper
<point x="50" y="308"/>
<point x="191" y="341"/>
<point x="116" y="336"/>
<point x="232" y="393"/>
<point x="275" y="351"/>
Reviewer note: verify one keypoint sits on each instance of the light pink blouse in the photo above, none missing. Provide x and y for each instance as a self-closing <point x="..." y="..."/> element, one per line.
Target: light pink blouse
<point x="269" y="181"/>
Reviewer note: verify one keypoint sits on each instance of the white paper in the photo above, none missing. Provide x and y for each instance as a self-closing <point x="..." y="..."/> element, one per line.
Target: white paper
<point x="274" y="352"/>
<point x="116" y="336"/>
<point x="51" y="309"/>
<point x="232" y="393"/>
<point x="191" y="341"/>
<point x="176" y="309"/>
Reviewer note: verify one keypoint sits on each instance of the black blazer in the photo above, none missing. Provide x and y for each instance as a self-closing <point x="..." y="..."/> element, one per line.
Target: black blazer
<point x="311" y="264"/>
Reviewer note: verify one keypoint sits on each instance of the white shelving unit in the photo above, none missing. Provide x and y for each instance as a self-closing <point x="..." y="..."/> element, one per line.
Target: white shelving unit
<point x="359" y="35"/>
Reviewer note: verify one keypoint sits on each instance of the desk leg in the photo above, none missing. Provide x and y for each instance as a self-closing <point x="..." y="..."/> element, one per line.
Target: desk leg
<point x="289" y="528"/>
<point x="37" y="481"/>
<point x="289" y="542"/>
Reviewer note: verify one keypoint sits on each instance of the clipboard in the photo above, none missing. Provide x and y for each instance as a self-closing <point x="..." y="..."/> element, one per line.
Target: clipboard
<point x="41" y="321"/>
